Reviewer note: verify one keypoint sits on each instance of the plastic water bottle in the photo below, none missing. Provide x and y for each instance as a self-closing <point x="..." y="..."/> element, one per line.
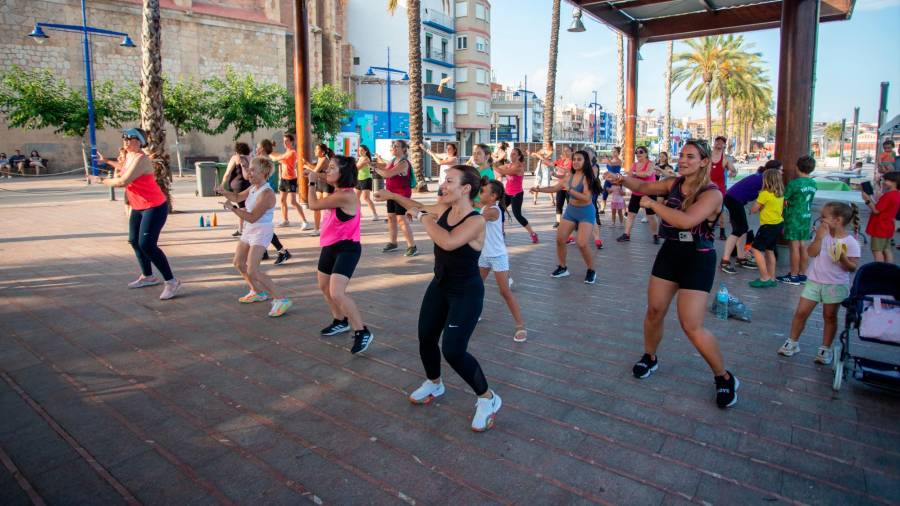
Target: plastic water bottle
<point x="722" y="302"/>
<point x="208" y="222"/>
<point x="201" y="221"/>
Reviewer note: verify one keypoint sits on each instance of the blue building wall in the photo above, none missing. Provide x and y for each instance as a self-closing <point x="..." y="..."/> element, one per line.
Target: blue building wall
<point x="371" y="125"/>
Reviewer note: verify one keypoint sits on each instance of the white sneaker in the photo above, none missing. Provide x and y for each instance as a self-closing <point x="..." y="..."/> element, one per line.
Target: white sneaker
<point x="510" y="281"/>
<point x="304" y="226"/>
<point x="789" y="348"/>
<point x="284" y="223"/>
<point x="485" y="409"/>
<point x="426" y="393"/>
<point x="143" y="281"/>
<point x="376" y="218"/>
<point x="644" y="219"/>
<point x="824" y="355"/>
<point x="170" y="290"/>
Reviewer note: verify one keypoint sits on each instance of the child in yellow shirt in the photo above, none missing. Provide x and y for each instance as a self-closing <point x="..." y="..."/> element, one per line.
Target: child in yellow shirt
<point x="769" y="204"/>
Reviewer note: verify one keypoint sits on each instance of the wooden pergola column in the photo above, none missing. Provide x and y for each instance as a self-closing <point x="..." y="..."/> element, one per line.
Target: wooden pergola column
<point x="301" y="91"/>
<point x="796" y="82"/>
<point x="631" y="84"/>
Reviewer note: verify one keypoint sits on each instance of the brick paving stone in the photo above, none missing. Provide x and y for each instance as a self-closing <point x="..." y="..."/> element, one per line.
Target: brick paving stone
<point x="245" y="401"/>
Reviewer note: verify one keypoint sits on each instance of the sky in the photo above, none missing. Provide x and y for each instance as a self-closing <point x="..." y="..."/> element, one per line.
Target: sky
<point x="853" y="58"/>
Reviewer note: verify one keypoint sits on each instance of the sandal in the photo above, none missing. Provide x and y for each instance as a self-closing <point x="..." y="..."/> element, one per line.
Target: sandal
<point x="521" y="335"/>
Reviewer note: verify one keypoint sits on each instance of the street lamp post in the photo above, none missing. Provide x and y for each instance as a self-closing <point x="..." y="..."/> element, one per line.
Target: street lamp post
<point x="85" y="30"/>
<point x="595" y="105"/>
<point x="388" y="71"/>
<point x="524" y="90"/>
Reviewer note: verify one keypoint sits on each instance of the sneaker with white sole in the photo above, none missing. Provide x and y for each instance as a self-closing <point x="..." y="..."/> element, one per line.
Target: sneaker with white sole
<point x="279" y="307"/>
<point x="144" y="281"/>
<point x="726" y="390"/>
<point x="304" y="226"/>
<point x="485" y="412"/>
<point x="252" y="297"/>
<point x="336" y="327"/>
<point x="560" y="272"/>
<point x="284" y="223"/>
<point x="645" y="366"/>
<point x="591" y="277"/>
<point x="361" y="340"/>
<point x="170" y="290"/>
<point x="427" y="392"/>
<point x="789" y="348"/>
<point x="824" y="355"/>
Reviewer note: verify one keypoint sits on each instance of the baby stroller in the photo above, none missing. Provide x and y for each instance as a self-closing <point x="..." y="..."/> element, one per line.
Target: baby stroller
<point x="872" y="280"/>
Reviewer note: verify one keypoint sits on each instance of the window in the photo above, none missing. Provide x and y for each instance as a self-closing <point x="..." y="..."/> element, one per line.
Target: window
<point x="428" y="76"/>
<point x="480" y="12"/>
<point x="481" y="108"/>
<point x="356" y="60"/>
<point x="462" y="74"/>
<point x="462" y="107"/>
<point x="428" y="45"/>
<point x="480" y="76"/>
<point x="481" y="44"/>
<point x="462" y="9"/>
<point x="462" y="42"/>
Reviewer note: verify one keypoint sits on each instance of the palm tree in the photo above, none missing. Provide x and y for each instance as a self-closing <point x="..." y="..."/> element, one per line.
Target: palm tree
<point x="620" y="89"/>
<point x="550" y="97"/>
<point x="736" y="71"/>
<point x="152" y="120"/>
<point x="667" y="121"/>
<point x="697" y="69"/>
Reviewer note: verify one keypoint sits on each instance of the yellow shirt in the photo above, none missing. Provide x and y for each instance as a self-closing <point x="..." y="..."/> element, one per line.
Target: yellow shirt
<point x="772" y="208"/>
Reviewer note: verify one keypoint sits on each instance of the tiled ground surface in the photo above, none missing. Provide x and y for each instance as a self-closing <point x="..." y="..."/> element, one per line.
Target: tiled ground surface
<point x="109" y="395"/>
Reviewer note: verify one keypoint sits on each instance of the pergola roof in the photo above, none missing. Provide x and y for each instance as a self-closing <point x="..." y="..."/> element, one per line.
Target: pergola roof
<point x="657" y="20"/>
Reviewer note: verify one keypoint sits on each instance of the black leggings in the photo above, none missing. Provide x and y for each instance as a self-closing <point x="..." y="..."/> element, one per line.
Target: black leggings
<point x="451" y="307"/>
<point x="144" y="227"/>
<point x="562" y="197"/>
<point x="277" y="243"/>
<point x="516" y="202"/>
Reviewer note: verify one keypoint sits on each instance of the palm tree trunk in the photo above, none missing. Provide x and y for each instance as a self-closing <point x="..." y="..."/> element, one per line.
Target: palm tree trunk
<point x="708" y="111"/>
<point x="550" y="98"/>
<point x="724" y="113"/>
<point x="620" y="89"/>
<point x="414" y="23"/>
<point x="667" y="121"/>
<point x="152" y="120"/>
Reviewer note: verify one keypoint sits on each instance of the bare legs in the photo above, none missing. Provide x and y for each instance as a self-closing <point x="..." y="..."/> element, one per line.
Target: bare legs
<point x="246" y="260"/>
<point x="294" y="202"/>
<point x="799" y="257"/>
<point x="765" y="262"/>
<point x="366" y="197"/>
<point x="334" y="289"/>
<point x="805" y="308"/>
<point x="407" y="229"/>
<point x="566" y="228"/>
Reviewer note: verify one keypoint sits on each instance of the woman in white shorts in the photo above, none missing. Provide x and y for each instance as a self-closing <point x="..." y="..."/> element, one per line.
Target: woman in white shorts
<point x="258" y="230"/>
<point x="494" y="256"/>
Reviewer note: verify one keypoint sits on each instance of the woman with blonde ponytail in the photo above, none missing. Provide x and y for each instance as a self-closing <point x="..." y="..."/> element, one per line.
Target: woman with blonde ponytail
<point x="686" y="262"/>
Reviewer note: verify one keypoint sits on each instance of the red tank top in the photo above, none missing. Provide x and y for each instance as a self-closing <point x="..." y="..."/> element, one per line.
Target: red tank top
<point x="144" y="193"/>
<point x="717" y="173"/>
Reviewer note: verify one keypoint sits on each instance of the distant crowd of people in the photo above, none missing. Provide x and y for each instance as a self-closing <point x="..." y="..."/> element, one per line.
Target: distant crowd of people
<point x="21" y="163"/>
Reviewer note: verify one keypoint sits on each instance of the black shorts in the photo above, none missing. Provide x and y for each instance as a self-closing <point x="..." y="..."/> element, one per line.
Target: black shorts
<point x="767" y="237"/>
<point x="288" y="185"/>
<point x="364" y="184"/>
<point x="738" y="216"/>
<point x="634" y="205"/>
<point x="395" y="208"/>
<point x="681" y="263"/>
<point x="340" y="258"/>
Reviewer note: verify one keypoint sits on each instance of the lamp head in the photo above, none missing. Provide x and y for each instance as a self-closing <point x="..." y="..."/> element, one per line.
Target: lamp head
<point x="406" y="77"/>
<point x="127" y="42"/>
<point x="370" y="73"/>
<point x="517" y="94"/>
<point x="38" y="34"/>
<point x="577" y="26"/>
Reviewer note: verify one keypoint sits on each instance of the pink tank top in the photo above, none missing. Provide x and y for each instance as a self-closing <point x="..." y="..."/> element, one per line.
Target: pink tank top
<point x="335" y="230"/>
<point x="144" y="193"/>
<point x="514" y="185"/>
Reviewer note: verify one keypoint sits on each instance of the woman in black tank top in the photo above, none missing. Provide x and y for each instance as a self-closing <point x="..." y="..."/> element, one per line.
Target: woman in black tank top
<point x="686" y="263"/>
<point x="453" y="301"/>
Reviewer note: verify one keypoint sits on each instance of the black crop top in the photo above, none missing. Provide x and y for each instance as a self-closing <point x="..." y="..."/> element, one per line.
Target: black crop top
<point x="460" y="263"/>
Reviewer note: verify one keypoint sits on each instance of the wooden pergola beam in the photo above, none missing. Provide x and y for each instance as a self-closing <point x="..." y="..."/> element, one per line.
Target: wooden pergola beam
<point x="736" y="19"/>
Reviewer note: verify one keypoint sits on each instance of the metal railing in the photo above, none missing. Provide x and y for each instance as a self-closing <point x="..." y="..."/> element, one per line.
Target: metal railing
<point x="435" y="54"/>
<point x="444" y="128"/>
<point x="437" y="17"/>
<point x="430" y="90"/>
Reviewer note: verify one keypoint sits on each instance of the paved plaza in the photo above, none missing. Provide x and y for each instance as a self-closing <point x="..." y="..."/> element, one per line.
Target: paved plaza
<point x="111" y="396"/>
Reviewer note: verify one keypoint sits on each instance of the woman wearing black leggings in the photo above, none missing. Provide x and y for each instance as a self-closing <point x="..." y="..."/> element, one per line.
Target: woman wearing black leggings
<point x="514" y="173"/>
<point x="453" y="300"/>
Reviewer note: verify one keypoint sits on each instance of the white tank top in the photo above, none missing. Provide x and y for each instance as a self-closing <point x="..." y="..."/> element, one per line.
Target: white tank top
<point x="266" y="218"/>
<point x="494" y="246"/>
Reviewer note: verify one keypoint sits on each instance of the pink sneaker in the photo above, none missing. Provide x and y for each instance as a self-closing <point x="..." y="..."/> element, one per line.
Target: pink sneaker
<point x="534" y="238"/>
<point x="170" y="290"/>
<point x="143" y="281"/>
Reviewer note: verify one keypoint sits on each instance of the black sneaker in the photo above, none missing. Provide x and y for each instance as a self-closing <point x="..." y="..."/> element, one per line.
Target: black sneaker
<point x="336" y="327"/>
<point x="556" y="225"/>
<point x="265" y="255"/>
<point x="411" y="251"/>
<point x="726" y="390"/>
<point x="655" y="239"/>
<point x="623" y="238"/>
<point x="727" y="268"/>
<point x="591" y="277"/>
<point x="746" y="263"/>
<point x="361" y="340"/>
<point x="236" y="233"/>
<point x="645" y="366"/>
<point x="283" y="257"/>
<point x="722" y="235"/>
<point x="560" y="272"/>
<point x="391" y="246"/>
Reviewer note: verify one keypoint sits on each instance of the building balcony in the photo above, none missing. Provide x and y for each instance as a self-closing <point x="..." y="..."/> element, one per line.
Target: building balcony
<point x="433" y="129"/>
<point x="437" y="19"/>
<point x="442" y="58"/>
<point x="430" y="90"/>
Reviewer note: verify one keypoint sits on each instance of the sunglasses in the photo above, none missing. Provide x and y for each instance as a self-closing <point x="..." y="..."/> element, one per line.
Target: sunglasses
<point x="129" y="137"/>
<point x="641" y="152"/>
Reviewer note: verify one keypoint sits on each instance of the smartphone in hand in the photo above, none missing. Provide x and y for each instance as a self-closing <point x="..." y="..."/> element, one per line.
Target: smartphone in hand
<point x="867" y="188"/>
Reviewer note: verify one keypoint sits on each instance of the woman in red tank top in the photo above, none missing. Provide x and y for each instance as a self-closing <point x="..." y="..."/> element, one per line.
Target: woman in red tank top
<point x="149" y="210"/>
<point x="721" y="165"/>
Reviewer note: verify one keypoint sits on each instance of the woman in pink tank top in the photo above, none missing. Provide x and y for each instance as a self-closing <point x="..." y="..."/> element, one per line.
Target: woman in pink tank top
<point x="514" y="173"/>
<point x="341" y="250"/>
<point x="149" y="210"/>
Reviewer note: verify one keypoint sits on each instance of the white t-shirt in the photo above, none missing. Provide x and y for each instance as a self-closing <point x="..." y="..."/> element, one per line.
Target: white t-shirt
<point x="824" y="268"/>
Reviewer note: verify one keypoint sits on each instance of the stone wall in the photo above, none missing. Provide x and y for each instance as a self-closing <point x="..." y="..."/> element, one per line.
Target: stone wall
<point x="200" y="39"/>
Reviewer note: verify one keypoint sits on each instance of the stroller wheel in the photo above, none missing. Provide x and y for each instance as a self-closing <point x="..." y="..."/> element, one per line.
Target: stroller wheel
<point x="838" y="375"/>
<point x="838" y="352"/>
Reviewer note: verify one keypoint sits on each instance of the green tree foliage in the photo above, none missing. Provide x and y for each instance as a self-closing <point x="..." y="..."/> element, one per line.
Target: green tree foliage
<point x="833" y="131"/>
<point x="328" y="111"/>
<point x="243" y="103"/>
<point x="186" y="106"/>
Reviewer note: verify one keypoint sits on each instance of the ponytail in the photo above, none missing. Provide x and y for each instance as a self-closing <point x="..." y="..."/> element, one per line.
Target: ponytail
<point x="854" y="218"/>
